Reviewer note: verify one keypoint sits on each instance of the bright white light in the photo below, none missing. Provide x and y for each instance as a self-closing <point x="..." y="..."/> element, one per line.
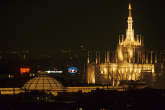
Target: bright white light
<point x="53" y="71"/>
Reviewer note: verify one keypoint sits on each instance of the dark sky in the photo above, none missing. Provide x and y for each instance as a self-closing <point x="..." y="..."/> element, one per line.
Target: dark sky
<point x="52" y="24"/>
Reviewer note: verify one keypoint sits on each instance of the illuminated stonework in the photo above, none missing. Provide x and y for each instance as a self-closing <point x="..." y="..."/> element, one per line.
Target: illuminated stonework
<point x="129" y="61"/>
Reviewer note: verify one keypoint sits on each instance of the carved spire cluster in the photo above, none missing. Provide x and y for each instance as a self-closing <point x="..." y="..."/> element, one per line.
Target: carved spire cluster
<point x="130" y="30"/>
<point x="130" y="37"/>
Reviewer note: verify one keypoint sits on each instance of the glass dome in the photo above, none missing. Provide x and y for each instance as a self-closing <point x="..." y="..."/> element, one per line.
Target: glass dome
<point x="43" y="82"/>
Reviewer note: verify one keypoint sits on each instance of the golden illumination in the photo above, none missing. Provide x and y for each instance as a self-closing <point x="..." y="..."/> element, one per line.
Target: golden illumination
<point x="129" y="6"/>
<point x="129" y="62"/>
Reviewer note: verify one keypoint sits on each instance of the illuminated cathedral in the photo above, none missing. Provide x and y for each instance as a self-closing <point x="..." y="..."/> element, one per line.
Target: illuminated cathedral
<point x="129" y="62"/>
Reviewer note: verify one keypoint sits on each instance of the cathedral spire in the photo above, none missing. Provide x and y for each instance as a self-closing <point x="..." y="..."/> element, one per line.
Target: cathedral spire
<point x="130" y="30"/>
<point x="130" y="9"/>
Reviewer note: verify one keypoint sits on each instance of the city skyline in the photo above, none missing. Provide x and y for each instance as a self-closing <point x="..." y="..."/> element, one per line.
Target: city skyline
<point x="82" y="54"/>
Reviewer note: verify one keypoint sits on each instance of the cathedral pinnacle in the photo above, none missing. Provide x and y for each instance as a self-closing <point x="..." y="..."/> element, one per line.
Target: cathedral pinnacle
<point x="130" y="8"/>
<point x="130" y="30"/>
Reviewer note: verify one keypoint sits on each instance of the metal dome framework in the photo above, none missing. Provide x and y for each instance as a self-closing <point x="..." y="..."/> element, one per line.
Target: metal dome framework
<point x="43" y="83"/>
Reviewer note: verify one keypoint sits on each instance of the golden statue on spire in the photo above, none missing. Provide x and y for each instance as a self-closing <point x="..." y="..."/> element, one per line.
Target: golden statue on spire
<point x="129" y="6"/>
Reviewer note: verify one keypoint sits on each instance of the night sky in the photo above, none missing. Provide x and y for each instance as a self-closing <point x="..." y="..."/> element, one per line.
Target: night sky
<point x="52" y="24"/>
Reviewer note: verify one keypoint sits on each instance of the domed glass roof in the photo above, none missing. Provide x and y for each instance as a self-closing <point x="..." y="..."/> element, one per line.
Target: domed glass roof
<point x="42" y="82"/>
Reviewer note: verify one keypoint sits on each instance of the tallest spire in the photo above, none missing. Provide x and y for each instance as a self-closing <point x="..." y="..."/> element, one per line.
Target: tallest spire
<point x="130" y="30"/>
<point x="130" y="9"/>
<point x="130" y="37"/>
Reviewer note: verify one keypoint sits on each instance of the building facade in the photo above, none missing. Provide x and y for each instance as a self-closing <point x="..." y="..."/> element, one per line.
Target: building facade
<point x="130" y="61"/>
